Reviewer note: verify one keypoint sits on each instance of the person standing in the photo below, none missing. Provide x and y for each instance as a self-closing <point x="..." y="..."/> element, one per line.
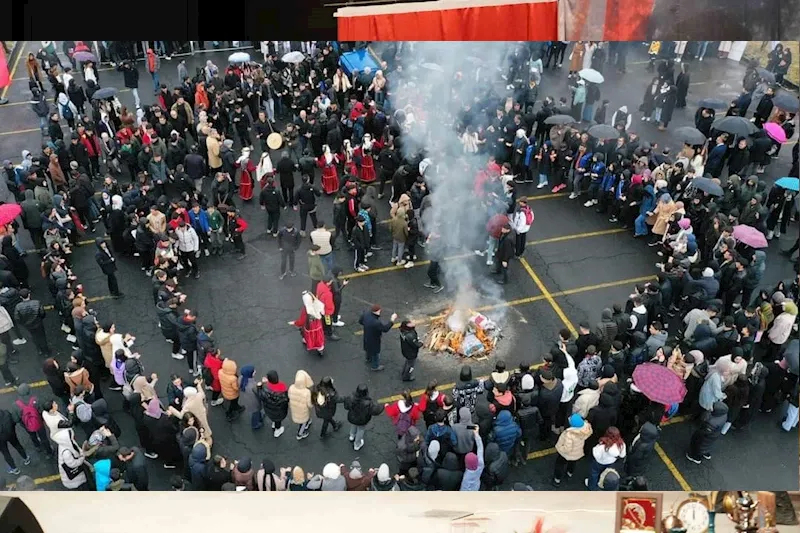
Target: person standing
<point x="505" y="251"/>
<point x="187" y="335"/>
<point x="153" y="66"/>
<point x="373" y="330"/>
<point x="28" y="413"/>
<point x="274" y="397"/>
<point x="8" y="435"/>
<point x="271" y="201"/>
<point x="288" y="243"/>
<point x="521" y="222"/>
<point x="188" y="248"/>
<point x="229" y="382"/>
<point x="300" y="403"/>
<point x="360" y="240"/>
<point x="131" y="80"/>
<point x="360" y="410"/>
<point x="321" y="236"/>
<point x="30" y="314"/>
<point x="108" y="264"/>
<point x="5" y="371"/>
<point x="409" y="347"/>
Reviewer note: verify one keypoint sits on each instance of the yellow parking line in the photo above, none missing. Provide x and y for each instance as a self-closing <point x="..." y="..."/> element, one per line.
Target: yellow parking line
<point x="672" y="468"/>
<point x="90" y="300"/>
<point x="6" y="390"/>
<point x="541" y="453"/>
<point x="549" y="297"/>
<point x="42" y="480"/>
<point x="80" y="243"/>
<point x="549" y="240"/>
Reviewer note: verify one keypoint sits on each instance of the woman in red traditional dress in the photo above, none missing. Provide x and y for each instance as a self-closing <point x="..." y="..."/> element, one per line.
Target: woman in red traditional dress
<point x="367" y="163"/>
<point x="310" y="323"/>
<point x="330" y="176"/>
<point x="350" y="167"/>
<point x="245" y="164"/>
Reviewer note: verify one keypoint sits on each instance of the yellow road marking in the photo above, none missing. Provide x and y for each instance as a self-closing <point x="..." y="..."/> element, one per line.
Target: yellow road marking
<point x="540" y="297"/>
<point x="549" y="297"/>
<point x="672" y="468"/>
<point x="541" y="453"/>
<point x="80" y="243"/>
<point x="102" y="69"/>
<point x="42" y="480"/>
<point x="561" y="238"/>
<point x="14" y="389"/>
<point x="90" y="300"/>
<point x="13" y="70"/>
<point x="27" y="102"/>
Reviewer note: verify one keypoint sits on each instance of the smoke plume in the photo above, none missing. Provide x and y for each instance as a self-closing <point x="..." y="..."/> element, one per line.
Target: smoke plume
<point x="436" y="80"/>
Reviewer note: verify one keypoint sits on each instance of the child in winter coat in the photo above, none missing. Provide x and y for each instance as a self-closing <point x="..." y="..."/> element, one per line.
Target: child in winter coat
<point x="300" y="404"/>
<point x="521" y="221"/>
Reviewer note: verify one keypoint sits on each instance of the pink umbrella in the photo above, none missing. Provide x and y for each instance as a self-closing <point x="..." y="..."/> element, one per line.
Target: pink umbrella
<point x="659" y="383"/>
<point x="750" y="236"/>
<point x="8" y="212"/>
<point x="775" y="132"/>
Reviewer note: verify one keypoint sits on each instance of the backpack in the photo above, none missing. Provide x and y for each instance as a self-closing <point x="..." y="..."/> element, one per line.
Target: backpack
<point x="528" y="215"/>
<point x="403" y="423"/>
<point x="31" y="418"/>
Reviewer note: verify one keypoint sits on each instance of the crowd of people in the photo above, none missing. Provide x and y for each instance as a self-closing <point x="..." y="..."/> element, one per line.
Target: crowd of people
<point x="707" y="315"/>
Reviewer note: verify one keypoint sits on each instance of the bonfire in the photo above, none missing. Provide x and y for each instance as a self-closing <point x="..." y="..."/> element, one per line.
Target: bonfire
<point x="463" y="332"/>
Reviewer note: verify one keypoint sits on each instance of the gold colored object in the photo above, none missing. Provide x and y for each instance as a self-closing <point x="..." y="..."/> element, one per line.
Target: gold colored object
<point x="742" y="509"/>
<point x="274" y="140"/>
<point x="671" y="521"/>
<point x="693" y="512"/>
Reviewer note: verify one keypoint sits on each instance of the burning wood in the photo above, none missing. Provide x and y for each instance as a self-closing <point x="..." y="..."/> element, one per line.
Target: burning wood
<point x="463" y="332"/>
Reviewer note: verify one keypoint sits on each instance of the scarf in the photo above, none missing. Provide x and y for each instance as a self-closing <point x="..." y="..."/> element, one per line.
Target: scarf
<point x="153" y="409"/>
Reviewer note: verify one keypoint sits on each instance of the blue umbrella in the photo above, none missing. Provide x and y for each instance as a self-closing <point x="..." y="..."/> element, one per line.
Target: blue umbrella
<point x="791" y="184"/>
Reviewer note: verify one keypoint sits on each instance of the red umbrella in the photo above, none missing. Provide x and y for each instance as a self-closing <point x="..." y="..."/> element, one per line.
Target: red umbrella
<point x="750" y="236"/>
<point x="8" y="212"/>
<point x="659" y="383"/>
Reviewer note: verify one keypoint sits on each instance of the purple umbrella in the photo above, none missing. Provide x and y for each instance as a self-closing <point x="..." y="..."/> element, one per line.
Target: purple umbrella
<point x="84" y="56"/>
<point x="750" y="236"/>
<point x="659" y="383"/>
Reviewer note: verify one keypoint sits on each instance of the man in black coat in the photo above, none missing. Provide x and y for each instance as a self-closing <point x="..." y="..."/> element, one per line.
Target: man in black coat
<point x="409" y="346"/>
<point x="504" y="254"/>
<point x="373" y="332"/>
<point x="30" y="314"/>
<point x="271" y="201"/>
<point x="133" y="462"/>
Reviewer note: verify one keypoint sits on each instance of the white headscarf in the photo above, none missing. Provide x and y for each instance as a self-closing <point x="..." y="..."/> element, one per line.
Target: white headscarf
<point x="366" y="144"/>
<point x="116" y="202"/>
<point x="314" y="308"/>
<point x="264" y="166"/>
<point x="326" y="151"/>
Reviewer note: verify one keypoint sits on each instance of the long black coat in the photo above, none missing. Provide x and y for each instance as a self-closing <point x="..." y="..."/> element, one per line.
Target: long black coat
<point x="373" y="331"/>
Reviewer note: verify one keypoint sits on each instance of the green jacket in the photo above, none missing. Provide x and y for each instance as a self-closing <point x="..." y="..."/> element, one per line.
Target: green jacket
<point x="215" y="220"/>
<point x="315" y="267"/>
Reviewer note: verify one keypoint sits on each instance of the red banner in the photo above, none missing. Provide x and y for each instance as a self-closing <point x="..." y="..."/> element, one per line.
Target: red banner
<point x="537" y="21"/>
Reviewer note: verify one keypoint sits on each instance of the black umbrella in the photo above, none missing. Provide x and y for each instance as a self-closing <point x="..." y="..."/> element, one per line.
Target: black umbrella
<point x="735" y="126"/>
<point x="707" y="185"/>
<point x="105" y="92"/>
<point x="786" y="101"/>
<point x="689" y="135"/>
<point x="713" y="103"/>
<point x="603" y="132"/>
<point x="559" y="119"/>
<point x="766" y="75"/>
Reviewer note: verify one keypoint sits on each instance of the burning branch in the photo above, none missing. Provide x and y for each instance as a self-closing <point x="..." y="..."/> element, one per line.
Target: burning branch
<point x="463" y="332"/>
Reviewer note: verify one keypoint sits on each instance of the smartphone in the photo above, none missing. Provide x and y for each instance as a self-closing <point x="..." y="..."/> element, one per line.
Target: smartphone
<point x="472" y="426"/>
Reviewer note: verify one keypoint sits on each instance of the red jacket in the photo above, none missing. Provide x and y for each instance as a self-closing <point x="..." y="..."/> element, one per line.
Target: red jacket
<point x="92" y="145"/>
<point x="325" y="295"/>
<point x="214" y="363"/>
<point x="393" y="411"/>
<point x="241" y="225"/>
<point x="495" y="224"/>
<point x="173" y="223"/>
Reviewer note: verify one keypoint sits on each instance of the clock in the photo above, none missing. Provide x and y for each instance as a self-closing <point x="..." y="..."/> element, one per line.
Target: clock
<point x="693" y="513"/>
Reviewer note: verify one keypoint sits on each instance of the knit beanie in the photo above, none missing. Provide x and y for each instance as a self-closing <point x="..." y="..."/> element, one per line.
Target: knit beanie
<point x="471" y="461"/>
<point x="575" y="421"/>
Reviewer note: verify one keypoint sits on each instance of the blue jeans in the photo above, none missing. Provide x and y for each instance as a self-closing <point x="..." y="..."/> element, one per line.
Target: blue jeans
<point x="543" y="179"/>
<point x="594" y="474"/>
<point x="374" y="359"/>
<point x="701" y="53"/>
<point x="43" y="125"/>
<point x="640" y="225"/>
<point x="156" y="82"/>
<point x="657" y="114"/>
<point x="588" y="112"/>
<point x="327" y="260"/>
<point x="397" y="249"/>
<point x="491" y="248"/>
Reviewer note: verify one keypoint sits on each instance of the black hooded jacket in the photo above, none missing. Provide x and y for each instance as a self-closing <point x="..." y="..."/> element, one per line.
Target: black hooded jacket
<point x="641" y="450"/>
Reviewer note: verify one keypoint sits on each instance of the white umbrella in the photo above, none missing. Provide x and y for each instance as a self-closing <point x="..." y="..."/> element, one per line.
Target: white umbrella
<point x="432" y="66"/>
<point x="239" y="57"/>
<point x="293" y="57"/>
<point x="591" y="75"/>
